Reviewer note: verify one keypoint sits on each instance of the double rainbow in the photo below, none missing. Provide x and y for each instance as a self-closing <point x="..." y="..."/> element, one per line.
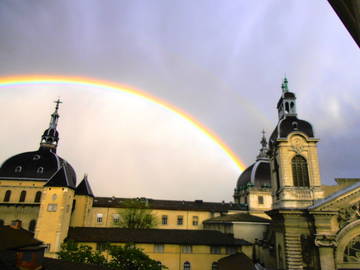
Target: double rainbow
<point x="82" y="81"/>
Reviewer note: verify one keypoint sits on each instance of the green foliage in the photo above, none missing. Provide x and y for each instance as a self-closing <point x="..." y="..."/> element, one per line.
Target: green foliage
<point x="122" y="257"/>
<point x="131" y="258"/>
<point x="71" y="251"/>
<point x="136" y="215"/>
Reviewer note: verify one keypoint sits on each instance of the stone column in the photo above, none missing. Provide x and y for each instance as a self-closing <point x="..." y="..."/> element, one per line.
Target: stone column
<point x="326" y="244"/>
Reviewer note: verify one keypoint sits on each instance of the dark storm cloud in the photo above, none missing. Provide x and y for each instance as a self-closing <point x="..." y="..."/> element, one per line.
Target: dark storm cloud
<point x="221" y="61"/>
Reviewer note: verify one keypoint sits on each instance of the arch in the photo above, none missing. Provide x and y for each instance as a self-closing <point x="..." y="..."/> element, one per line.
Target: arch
<point x="187" y="265"/>
<point x="215" y="266"/>
<point x="32" y="225"/>
<point x="300" y="171"/>
<point x="22" y="196"/>
<point x="287" y="108"/>
<point x="18" y="169"/>
<point x="40" y="170"/>
<point x="37" y="196"/>
<point x="348" y="239"/>
<point x="7" y="196"/>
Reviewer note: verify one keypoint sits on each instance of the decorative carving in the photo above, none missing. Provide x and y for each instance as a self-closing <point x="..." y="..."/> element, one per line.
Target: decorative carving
<point x="297" y="145"/>
<point x="352" y="250"/>
<point x="348" y="215"/>
<point x="325" y="240"/>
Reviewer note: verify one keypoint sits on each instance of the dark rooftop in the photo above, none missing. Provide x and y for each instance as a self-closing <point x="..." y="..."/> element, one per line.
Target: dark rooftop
<point x="54" y="264"/>
<point x="153" y="236"/>
<point x="241" y="217"/>
<point x="16" y="238"/>
<point x="197" y="205"/>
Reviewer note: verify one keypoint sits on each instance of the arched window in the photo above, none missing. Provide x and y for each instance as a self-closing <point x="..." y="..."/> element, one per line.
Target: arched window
<point x="22" y="196"/>
<point x="300" y="171"/>
<point x="18" y="169"/>
<point x="7" y="196"/>
<point x="187" y="266"/>
<point x="215" y="266"/>
<point x="37" y="196"/>
<point x="287" y="107"/>
<point x="1" y="222"/>
<point x="40" y="170"/>
<point x="32" y="225"/>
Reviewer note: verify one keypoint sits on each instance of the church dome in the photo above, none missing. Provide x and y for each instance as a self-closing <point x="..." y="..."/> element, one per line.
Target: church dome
<point x="36" y="165"/>
<point x="258" y="175"/>
<point x="42" y="164"/>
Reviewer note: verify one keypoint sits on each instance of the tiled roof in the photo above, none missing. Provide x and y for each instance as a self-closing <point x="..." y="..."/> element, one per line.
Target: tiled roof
<point x="54" y="264"/>
<point x="197" y="205"/>
<point x="153" y="236"/>
<point x="240" y="217"/>
<point x="14" y="239"/>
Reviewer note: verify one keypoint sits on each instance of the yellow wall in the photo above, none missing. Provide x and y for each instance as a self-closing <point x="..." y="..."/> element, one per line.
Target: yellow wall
<point x="172" y="218"/>
<point x="174" y="259"/>
<point x="81" y="215"/>
<point x="31" y="187"/>
<point x="52" y="226"/>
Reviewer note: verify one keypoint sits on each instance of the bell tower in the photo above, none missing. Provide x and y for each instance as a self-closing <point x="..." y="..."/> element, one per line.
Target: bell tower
<point x="293" y="157"/>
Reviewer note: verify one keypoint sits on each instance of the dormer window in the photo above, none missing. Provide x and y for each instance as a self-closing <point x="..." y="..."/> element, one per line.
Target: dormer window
<point x="18" y="169"/>
<point x="40" y="170"/>
<point x="36" y="157"/>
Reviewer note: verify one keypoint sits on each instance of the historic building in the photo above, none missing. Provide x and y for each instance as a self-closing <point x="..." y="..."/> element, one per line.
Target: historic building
<point x="282" y="216"/>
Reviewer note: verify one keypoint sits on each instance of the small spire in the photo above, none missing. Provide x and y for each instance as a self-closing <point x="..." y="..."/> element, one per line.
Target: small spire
<point x="263" y="151"/>
<point x="284" y="85"/>
<point x="50" y="137"/>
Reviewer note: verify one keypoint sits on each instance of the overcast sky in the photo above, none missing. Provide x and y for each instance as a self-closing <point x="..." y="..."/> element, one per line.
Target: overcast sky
<point x="220" y="61"/>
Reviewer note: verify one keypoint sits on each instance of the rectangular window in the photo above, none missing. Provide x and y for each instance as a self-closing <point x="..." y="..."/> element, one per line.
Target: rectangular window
<point x="260" y="200"/>
<point x="101" y="246"/>
<point x="195" y="221"/>
<point x="99" y="218"/>
<point x="164" y="220"/>
<point x="180" y="220"/>
<point x="230" y="250"/>
<point x="52" y="207"/>
<point x="215" y="250"/>
<point x="186" y="249"/>
<point x="159" y="248"/>
<point x="116" y="218"/>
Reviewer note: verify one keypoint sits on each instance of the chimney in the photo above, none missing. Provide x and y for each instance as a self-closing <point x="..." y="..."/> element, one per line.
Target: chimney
<point x="16" y="224"/>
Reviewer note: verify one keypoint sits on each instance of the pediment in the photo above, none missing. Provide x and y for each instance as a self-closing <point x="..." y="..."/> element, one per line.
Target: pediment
<point x="341" y="199"/>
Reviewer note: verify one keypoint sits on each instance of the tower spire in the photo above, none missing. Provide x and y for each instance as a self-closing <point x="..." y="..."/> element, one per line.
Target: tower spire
<point x="50" y="137"/>
<point x="263" y="150"/>
<point x="284" y="85"/>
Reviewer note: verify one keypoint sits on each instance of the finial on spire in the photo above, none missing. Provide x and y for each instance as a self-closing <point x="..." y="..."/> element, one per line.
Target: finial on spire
<point x="263" y="151"/>
<point x="58" y="101"/>
<point x="284" y="85"/>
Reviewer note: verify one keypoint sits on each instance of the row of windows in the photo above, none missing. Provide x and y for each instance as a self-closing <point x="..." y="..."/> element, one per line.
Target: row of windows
<point x="18" y="169"/>
<point x="164" y="219"/>
<point x="31" y="227"/>
<point x="22" y="196"/>
<point x="180" y="220"/>
<point x="187" y="266"/>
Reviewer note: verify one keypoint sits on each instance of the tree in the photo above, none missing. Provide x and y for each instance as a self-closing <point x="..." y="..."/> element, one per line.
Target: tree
<point x="136" y="215"/>
<point x="72" y="252"/>
<point x="131" y="258"/>
<point x="125" y="257"/>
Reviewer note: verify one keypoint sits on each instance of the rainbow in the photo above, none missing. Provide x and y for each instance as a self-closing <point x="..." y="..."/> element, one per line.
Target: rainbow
<point x="83" y="81"/>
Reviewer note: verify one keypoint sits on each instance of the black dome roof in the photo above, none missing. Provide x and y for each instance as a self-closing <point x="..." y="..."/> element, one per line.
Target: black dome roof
<point x="257" y="174"/>
<point x="288" y="125"/>
<point x="36" y="165"/>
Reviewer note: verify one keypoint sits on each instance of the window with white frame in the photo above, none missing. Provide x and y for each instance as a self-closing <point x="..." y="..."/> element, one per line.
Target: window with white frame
<point x="215" y="250"/>
<point x="116" y="218"/>
<point x="186" y="249"/>
<point x="195" y="221"/>
<point x="52" y="207"/>
<point x="180" y="220"/>
<point x="164" y="219"/>
<point x="159" y="248"/>
<point x="99" y="218"/>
